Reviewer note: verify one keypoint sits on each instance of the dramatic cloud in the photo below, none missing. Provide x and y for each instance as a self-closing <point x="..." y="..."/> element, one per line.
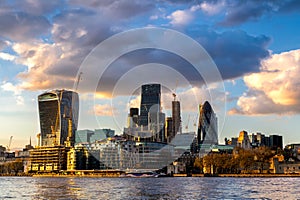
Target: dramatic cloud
<point x="54" y="45"/>
<point x="20" y="26"/>
<point x="235" y="52"/>
<point x="275" y="89"/>
<point x="238" y="12"/>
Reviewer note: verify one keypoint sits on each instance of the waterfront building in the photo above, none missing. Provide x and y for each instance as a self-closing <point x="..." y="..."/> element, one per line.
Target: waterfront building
<point x="119" y="153"/>
<point x="48" y="159"/>
<point x="279" y="166"/>
<point x="150" y="96"/>
<point x="58" y="112"/>
<point x="208" y="125"/>
<point x="77" y="158"/>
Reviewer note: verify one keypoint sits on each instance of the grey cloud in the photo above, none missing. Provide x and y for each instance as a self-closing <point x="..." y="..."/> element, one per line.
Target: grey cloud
<point x="38" y="7"/>
<point x="235" y="52"/>
<point x="21" y="26"/>
<point x="81" y="26"/>
<point x="238" y="12"/>
<point x="118" y="9"/>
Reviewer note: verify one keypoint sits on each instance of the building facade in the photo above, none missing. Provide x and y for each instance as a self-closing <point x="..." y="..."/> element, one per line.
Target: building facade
<point x="150" y="96"/>
<point x="176" y="116"/>
<point x="276" y="141"/>
<point x="243" y="140"/>
<point x="58" y="112"/>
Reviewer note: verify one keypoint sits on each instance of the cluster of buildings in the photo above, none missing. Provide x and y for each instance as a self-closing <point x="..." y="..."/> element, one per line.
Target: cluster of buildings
<point x="247" y="141"/>
<point x="150" y="140"/>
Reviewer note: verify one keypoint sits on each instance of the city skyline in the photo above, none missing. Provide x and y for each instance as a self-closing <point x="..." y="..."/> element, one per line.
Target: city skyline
<point x="255" y="47"/>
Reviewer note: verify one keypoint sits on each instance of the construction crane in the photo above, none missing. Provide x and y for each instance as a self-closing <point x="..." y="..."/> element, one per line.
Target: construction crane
<point x="9" y="143"/>
<point x="195" y="121"/>
<point x="78" y="80"/>
<point x="187" y="124"/>
<point x="174" y="93"/>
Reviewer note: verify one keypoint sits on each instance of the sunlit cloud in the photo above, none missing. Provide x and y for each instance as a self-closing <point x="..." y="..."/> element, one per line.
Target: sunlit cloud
<point x="103" y="110"/>
<point x="180" y="17"/>
<point x="275" y="89"/>
<point x="7" y="56"/>
<point x="17" y="92"/>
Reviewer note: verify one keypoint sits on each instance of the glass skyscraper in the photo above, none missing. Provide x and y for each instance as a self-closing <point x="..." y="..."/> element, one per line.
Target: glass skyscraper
<point x="58" y="112"/>
<point x="208" y="125"/>
<point x="150" y="102"/>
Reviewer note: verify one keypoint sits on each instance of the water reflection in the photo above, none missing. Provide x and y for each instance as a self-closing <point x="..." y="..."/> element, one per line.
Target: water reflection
<point x="57" y="188"/>
<point x="149" y="188"/>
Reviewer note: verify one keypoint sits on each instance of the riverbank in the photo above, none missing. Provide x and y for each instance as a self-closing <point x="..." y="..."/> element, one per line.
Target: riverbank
<point x="176" y="175"/>
<point x="117" y="175"/>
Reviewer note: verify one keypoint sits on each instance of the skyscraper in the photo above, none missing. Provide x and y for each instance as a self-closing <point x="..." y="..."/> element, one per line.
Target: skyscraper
<point x="150" y="99"/>
<point x="176" y="117"/>
<point x="58" y="112"/>
<point x="208" y="125"/>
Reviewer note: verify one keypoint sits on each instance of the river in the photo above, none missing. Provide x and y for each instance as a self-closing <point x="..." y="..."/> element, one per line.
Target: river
<point x="149" y="188"/>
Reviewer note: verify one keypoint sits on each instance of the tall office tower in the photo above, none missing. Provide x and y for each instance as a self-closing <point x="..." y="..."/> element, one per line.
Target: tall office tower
<point x="58" y="111"/>
<point x="208" y="125"/>
<point x="150" y="96"/>
<point x="176" y="117"/>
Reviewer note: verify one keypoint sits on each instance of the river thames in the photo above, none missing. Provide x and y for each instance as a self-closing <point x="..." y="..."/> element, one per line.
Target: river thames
<point x="149" y="188"/>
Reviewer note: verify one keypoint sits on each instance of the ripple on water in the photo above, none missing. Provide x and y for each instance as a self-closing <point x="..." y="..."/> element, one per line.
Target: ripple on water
<point x="149" y="188"/>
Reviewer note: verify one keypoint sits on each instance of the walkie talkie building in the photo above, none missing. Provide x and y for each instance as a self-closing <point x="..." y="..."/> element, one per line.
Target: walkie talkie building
<point x="58" y="112"/>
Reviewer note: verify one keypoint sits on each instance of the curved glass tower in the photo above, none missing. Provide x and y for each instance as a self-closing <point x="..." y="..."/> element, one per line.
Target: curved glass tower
<point x="58" y="112"/>
<point x="208" y="125"/>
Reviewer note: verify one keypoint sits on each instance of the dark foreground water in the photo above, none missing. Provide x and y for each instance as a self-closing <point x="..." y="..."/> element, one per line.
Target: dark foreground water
<point x="149" y="188"/>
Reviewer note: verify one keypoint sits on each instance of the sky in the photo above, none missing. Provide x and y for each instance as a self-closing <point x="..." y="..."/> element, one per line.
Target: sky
<point x="254" y="45"/>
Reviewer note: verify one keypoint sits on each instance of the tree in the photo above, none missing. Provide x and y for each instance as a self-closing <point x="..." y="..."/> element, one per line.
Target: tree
<point x="246" y="160"/>
<point x="198" y="164"/>
<point x="262" y="157"/>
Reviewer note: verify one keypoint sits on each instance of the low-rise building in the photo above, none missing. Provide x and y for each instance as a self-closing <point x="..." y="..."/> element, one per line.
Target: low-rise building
<point x="48" y="159"/>
<point x="279" y="166"/>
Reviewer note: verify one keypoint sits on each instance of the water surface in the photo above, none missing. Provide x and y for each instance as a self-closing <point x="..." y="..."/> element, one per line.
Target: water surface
<point x="149" y="188"/>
